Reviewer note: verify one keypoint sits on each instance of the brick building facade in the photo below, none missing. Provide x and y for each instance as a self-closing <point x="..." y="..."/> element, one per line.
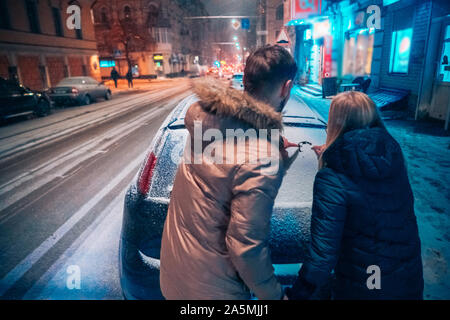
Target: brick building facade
<point x="275" y="19"/>
<point x="38" y="48"/>
<point x="168" y="43"/>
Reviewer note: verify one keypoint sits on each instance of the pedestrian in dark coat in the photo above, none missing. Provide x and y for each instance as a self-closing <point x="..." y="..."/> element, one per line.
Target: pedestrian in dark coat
<point x="363" y="223"/>
<point x="129" y="77"/>
<point x="114" y="76"/>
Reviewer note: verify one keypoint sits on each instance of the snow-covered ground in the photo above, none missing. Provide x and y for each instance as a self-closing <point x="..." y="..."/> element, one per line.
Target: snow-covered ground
<point x="426" y="147"/>
<point x="427" y="153"/>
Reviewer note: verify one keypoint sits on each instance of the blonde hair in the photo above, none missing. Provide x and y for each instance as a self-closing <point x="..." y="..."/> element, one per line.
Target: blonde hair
<point x="350" y="110"/>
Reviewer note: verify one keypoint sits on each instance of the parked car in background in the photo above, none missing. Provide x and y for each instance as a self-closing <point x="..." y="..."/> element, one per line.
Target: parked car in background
<point x="147" y="201"/>
<point x="237" y="81"/>
<point x="18" y="100"/>
<point x="79" y="90"/>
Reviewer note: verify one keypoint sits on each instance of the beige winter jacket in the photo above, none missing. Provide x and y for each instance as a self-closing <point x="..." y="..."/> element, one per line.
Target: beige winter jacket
<point x="215" y="240"/>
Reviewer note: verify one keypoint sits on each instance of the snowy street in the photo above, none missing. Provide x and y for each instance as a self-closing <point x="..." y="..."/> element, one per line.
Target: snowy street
<point x="62" y="184"/>
<point x="63" y="179"/>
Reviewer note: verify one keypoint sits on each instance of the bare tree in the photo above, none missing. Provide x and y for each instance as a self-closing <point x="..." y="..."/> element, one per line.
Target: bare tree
<point x="123" y="30"/>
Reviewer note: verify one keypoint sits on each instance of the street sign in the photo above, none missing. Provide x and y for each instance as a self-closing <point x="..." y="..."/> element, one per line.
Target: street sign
<point x="302" y="9"/>
<point x="236" y="24"/>
<point x="245" y="24"/>
<point x="158" y="57"/>
<point x="283" y="38"/>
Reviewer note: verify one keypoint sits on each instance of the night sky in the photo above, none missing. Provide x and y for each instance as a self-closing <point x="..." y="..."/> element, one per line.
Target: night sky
<point x="230" y="7"/>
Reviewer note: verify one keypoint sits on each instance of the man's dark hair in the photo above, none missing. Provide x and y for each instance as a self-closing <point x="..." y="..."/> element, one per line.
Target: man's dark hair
<point x="266" y="67"/>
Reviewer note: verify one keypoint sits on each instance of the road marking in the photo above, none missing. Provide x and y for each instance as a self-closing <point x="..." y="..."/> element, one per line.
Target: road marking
<point x="27" y="263"/>
<point x="29" y="140"/>
<point x="83" y="110"/>
<point x="102" y="232"/>
<point x="84" y="152"/>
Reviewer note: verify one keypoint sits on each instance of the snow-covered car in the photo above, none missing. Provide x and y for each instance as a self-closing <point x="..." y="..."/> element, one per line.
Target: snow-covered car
<point x="147" y="201"/>
<point x="79" y="90"/>
<point x="237" y="81"/>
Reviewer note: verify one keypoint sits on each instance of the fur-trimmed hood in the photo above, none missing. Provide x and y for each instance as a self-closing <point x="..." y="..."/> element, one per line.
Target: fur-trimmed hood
<point x="217" y="98"/>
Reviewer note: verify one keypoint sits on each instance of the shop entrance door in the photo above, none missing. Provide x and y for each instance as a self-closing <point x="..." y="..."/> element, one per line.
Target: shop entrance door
<point x="440" y="103"/>
<point x="315" y="64"/>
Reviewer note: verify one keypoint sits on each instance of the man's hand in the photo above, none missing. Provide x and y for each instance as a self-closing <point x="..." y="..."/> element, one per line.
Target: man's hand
<point x="288" y="144"/>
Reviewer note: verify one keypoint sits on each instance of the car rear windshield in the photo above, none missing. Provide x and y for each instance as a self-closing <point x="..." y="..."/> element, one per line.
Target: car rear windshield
<point x="167" y="163"/>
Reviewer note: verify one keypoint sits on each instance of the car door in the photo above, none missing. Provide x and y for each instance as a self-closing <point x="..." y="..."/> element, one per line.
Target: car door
<point x="5" y="100"/>
<point x="100" y="89"/>
<point x="95" y="88"/>
<point x="19" y="98"/>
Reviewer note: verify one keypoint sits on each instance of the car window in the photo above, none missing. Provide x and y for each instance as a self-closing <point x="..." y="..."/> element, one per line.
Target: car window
<point x="13" y="88"/>
<point x="237" y="77"/>
<point x="69" y="81"/>
<point x="2" y="88"/>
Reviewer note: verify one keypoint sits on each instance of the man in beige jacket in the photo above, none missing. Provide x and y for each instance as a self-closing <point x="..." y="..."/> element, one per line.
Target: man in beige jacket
<point x="215" y="239"/>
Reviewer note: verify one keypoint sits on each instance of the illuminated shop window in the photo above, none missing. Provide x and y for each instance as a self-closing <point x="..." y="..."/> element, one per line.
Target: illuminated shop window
<point x="107" y="63"/>
<point x="400" y="51"/>
<point x="444" y="66"/>
<point x="358" y="51"/>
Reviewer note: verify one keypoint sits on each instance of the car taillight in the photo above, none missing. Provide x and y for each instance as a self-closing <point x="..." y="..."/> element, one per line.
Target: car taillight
<point x="146" y="174"/>
<point x="74" y="90"/>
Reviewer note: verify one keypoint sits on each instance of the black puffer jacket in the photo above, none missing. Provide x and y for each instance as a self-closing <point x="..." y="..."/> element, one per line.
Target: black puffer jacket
<point x="363" y="215"/>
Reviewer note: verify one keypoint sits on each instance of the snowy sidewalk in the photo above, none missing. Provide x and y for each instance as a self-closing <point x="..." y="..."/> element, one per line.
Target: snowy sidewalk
<point x="138" y="84"/>
<point x="426" y="147"/>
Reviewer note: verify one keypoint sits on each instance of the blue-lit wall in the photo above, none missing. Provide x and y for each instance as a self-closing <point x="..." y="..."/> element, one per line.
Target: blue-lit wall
<point x="419" y="22"/>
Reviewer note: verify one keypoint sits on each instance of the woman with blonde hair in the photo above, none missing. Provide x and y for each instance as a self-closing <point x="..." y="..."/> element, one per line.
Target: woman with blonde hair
<point x="363" y="225"/>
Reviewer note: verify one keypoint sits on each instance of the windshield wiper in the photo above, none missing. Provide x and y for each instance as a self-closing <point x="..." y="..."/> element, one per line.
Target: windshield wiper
<point x="304" y="117"/>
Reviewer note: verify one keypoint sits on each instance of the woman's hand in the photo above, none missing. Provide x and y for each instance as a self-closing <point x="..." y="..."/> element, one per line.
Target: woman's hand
<point x="318" y="150"/>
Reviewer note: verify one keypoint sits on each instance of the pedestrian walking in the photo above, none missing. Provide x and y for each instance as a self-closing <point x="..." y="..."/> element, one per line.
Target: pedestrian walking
<point x="114" y="76"/>
<point x="129" y="77"/>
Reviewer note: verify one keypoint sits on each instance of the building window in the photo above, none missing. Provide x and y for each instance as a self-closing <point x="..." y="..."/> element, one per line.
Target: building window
<point x="33" y="16"/>
<point x="280" y="12"/>
<point x="127" y="12"/>
<point x="5" y="23"/>
<point x="101" y="15"/>
<point x="400" y="51"/>
<point x="153" y="13"/>
<point x="57" y="21"/>
<point x="358" y="52"/>
<point x="161" y="35"/>
<point x="104" y="15"/>
<point x="444" y="70"/>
